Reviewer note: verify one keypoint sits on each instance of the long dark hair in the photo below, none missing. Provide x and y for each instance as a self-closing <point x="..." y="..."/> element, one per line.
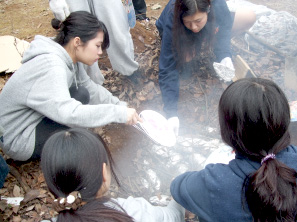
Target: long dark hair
<point x="184" y="40"/>
<point x="72" y="161"/>
<point x="81" y="24"/>
<point x="254" y="117"/>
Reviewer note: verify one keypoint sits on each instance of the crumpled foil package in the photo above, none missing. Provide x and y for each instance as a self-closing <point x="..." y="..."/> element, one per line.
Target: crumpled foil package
<point x="225" y="73"/>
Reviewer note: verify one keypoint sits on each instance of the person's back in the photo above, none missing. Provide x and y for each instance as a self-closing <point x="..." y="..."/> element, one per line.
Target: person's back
<point x="260" y="183"/>
<point x="77" y="167"/>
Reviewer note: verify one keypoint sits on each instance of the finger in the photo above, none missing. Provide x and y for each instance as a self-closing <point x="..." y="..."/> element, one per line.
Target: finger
<point x="138" y="118"/>
<point x="134" y="120"/>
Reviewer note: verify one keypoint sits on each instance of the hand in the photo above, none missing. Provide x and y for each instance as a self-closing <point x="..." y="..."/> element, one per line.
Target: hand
<point x="132" y="117"/>
<point x="60" y="9"/>
<point x="227" y="62"/>
<point x="174" y="124"/>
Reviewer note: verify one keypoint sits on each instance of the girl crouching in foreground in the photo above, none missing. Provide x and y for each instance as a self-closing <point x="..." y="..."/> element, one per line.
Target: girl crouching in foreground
<point x="260" y="183"/>
<point x="77" y="167"/>
<point x="51" y="90"/>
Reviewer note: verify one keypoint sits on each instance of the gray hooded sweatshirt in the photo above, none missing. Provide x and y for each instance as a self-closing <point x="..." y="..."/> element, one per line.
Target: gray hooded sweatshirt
<point x="40" y="87"/>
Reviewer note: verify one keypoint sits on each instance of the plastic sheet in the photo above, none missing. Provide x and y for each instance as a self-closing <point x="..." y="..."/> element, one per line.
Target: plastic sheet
<point x="278" y="29"/>
<point x="259" y="10"/>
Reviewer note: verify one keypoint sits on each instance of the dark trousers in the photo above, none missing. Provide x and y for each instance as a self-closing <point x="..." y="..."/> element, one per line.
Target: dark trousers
<point x="47" y="127"/>
<point x="140" y="8"/>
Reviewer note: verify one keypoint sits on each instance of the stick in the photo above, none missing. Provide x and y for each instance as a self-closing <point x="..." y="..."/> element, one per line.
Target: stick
<point x="266" y="44"/>
<point x="206" y="102"/>
<point x="14" y="172"/>
<point x="157" y="169"/>
<point x="242" y="49"/>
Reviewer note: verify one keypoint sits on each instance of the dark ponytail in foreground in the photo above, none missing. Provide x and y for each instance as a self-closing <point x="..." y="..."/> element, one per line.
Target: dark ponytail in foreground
<point x="71" y="162"/>
<point x="254" y="118"/>
<point x="80" y="24"/>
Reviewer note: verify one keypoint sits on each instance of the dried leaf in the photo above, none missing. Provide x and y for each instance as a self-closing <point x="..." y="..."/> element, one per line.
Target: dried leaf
<point x="31" y="195"/>
<point x="30" y="208"/>
<point x="16" y="191"/>
<point x="140" y="96"/>
<point x="3" y="205"/>
<point x="16" y="219"/>
<point x="15" y="209"/>
<point x="141" y="38"/>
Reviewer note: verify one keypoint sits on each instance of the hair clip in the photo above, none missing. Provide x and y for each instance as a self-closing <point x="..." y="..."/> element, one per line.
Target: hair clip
<point x="267" y="157"/>
<point x="72" y="201"/>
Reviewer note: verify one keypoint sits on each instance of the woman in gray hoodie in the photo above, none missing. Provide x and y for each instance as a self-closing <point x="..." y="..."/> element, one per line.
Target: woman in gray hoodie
<point x="50" y="92"/>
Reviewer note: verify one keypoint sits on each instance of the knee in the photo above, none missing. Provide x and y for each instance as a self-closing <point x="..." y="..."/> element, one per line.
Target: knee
<point x="250" y="18"/>
<point x="244" y="19"/>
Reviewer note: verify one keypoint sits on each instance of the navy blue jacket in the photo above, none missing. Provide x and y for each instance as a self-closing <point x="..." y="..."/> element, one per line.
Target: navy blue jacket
<point x="214" y="194"/>
<point x="168" y="72"/>
<point x="4" y="169"/>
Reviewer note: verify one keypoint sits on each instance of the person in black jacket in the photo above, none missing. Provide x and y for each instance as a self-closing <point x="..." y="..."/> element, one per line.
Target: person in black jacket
<point x="183" y="26"/>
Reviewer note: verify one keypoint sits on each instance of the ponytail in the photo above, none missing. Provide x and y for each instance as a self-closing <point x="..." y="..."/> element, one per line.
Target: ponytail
<point x="80" y="24"/>
<point x="97" y="210"/>
<point x="254" y="117"/>
<point x="271" y="192"/>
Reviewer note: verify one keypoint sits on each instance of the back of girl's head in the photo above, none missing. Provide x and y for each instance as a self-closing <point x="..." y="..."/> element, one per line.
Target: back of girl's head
<point x="254" y="118"/>
<point x="81" y="24"/>
<point x="72" y="160"/>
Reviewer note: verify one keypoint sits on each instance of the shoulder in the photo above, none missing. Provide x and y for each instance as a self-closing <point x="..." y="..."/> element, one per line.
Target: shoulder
<point x="220" y="8"/>
<point x="199" y="181"/>
<point x="218" y="2"/>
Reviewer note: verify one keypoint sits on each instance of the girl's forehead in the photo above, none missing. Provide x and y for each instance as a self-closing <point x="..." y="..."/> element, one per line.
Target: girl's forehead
<point x="197" y="15"/>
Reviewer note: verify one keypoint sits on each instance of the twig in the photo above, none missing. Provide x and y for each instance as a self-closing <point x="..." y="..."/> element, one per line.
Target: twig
<point x="266" y="44"/>
<point x="14" y="172"/>
<point x="152" y="59"/>
<point x="242" y="49"/>
<point x="154" y="168"/>
<point x="206" y="102"/>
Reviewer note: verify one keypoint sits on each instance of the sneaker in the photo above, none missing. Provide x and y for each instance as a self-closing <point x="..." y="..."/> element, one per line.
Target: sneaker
<point x="142" y="17"/>
<point x="136" y="77"/>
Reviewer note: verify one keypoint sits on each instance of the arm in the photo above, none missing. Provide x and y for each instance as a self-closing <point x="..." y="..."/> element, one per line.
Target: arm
<point x="50" y="96"/>
<point x="98" y="94"/>
<point x="191" y="191"/>
<point x="59" y="8"/>
<point x="224" y="22"/>
<point x="142" y="211"/>
<point x="168" y="73"/>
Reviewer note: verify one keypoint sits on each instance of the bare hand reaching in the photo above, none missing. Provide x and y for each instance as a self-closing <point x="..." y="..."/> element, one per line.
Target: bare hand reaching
<point x="132" y="116"/>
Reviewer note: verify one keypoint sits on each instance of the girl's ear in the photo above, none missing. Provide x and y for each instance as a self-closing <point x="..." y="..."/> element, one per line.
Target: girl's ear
<point x="104" y="172"/>
<point x="76" y="42"/>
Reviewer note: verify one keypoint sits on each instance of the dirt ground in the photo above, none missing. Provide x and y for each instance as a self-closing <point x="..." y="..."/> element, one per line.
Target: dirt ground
<point x="144" y="168"/>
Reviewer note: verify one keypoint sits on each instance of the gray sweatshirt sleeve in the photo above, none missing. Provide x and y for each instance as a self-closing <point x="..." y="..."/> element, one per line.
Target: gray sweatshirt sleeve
<point x="50" y="96"/>
<point x="142" y="211"/>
